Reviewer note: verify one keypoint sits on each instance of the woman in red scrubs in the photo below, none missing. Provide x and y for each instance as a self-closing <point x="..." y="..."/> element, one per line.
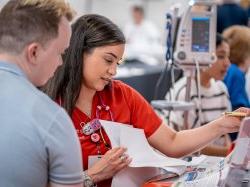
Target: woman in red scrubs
<point x="84" y="86"/>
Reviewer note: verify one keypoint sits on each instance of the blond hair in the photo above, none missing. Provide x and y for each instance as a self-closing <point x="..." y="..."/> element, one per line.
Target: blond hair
<point x="238" y="38"/>
<point x="245" y="3"/>
<point x="60" y="7"/>
<point x="26" y="21"/>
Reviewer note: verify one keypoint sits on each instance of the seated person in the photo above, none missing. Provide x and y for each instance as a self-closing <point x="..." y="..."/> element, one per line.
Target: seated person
<point x="143" y="40"/>
<point x="214" y="98"/>
<point x="239" y="42"/>
<point x="84" y="86"/>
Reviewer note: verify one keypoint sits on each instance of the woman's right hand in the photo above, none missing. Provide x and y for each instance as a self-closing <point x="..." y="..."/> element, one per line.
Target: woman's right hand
<point x="113" y="161"/>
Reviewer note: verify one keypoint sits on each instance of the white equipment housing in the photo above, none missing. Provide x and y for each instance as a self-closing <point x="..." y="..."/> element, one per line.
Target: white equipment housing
<point x="196" y="38"/>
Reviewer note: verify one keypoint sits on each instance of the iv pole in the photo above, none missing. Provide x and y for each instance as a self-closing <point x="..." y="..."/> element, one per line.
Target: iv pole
<point x="189" y="60"/>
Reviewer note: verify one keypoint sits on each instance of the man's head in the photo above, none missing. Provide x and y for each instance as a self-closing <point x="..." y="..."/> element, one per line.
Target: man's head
<point x="138" y="14"/>
<point x="36" y="31"/>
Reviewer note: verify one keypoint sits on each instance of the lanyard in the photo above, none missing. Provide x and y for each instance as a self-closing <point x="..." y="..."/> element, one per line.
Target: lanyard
<point x="104" y="107"/>
<point x="94" y="125"/>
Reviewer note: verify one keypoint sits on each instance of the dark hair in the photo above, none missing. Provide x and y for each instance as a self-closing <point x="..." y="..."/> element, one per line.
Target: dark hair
<point x="88" y="32"/>
<point x="26" y="21"/>
<point x="220" y="39"/>
<point x="138" y="8"/>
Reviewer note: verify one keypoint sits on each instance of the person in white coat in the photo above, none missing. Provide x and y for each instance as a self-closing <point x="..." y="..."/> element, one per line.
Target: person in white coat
<point x="143" y="39"/>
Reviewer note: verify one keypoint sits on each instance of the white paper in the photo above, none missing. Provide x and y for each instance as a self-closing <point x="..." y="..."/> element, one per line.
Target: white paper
<point x="146" y="162"/>
<point x="93" y="159"/>
<point x="212" y="176"/>
<point x="196" y="160"/>
<point x="113" y="131"/>
<point x="134" y="177"/>
<point x="179" y="170"/>
<point x="138" y="148"/>
<point x="209" y="181"/>
<point x="142" y="153"/>
<point x="240" y="151"/>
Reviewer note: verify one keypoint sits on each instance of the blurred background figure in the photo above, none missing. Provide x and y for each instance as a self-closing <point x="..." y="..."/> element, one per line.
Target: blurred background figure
<point x="143" y="39"/>
<point x="246" y="5"/>
<point x="239" y="41"/>
<point x="230" y="13"/>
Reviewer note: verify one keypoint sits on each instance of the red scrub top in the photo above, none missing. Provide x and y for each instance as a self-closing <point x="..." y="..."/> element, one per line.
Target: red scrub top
<point x="126" y="105"/>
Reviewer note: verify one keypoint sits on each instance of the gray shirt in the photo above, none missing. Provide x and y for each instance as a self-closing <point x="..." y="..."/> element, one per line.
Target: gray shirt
<point x="38" y="142"/>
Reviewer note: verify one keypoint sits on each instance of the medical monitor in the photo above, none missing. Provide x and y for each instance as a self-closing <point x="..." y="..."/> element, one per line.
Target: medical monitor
<point x="196" y="38"/>
<point x="200" y="34"/>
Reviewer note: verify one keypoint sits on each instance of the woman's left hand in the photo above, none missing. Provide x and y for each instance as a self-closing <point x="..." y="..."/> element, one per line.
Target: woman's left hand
<point x="244" y="110"/>
<point x="112" y="162"/>
<point x="230" y="124"/>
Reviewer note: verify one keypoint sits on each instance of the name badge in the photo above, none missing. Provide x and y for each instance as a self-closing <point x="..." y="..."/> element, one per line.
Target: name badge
<point x="93" y="159"/>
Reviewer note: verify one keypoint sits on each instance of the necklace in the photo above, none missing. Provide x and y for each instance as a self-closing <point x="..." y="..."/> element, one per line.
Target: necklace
<point x="85" y="110"/>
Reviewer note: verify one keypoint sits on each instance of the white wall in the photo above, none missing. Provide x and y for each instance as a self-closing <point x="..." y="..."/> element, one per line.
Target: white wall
<point x="119" y="10"/>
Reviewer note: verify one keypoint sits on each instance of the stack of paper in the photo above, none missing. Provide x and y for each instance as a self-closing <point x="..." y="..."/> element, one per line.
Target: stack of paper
<point x="146" y="162"/>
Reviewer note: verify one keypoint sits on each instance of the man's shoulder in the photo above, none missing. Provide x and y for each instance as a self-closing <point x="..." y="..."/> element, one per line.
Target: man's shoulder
<point x="38" y="99"/>
<point x="23" y="97"/>
<point x="47" y="111"/>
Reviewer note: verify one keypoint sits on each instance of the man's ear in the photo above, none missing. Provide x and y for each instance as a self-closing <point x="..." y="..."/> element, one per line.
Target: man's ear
<point x="32" y="51"/>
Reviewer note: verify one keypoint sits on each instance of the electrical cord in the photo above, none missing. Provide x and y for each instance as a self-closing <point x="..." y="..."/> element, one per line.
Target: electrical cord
<point x="199" y="91"/>
<point x="168" y="57"/>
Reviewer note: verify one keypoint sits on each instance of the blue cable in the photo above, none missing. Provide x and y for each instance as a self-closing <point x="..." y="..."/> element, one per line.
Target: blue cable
<point x="169" y="37"/>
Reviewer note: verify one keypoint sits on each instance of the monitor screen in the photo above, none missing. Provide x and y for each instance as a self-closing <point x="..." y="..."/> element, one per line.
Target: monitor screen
<point x="200" y="34"/>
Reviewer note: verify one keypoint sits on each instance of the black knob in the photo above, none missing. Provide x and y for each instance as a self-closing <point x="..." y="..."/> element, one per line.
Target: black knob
<point x="181" y="55"/>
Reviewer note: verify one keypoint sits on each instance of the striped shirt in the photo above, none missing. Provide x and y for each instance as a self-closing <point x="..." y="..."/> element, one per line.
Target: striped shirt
<point x="214" y="101"/>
